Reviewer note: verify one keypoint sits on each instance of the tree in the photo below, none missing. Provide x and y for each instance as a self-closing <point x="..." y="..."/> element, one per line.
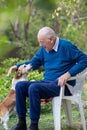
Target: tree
<point x="72" y="20"/>
<point x="21" y="20"/>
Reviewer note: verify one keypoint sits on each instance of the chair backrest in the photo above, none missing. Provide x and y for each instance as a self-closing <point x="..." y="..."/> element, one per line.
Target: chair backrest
<point x="80" y="78"/>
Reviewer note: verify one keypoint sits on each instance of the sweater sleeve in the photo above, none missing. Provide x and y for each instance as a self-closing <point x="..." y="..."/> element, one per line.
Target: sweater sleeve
<point x="36" y="61"/>
<point x="79" y="57"/>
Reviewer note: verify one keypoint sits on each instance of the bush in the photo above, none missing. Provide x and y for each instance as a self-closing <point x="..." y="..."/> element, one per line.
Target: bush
<point x="5" y="81"/>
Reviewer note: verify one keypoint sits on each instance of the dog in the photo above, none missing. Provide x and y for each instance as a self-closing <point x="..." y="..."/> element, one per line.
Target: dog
<point x="8" y="104"/>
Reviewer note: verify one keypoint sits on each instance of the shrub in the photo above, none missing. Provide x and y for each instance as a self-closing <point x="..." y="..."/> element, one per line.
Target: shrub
<point x="5" y="81"/>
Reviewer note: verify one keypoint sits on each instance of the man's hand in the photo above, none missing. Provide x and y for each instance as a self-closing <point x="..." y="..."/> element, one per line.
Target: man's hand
<point x="13" y="68"/>
<point x="63" y="79"/>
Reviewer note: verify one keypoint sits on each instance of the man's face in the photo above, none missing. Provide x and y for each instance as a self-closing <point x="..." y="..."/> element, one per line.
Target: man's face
<point x="47" y="43"/>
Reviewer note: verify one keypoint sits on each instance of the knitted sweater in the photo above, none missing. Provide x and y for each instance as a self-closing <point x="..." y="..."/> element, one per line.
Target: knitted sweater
<point x="68" y="58"/>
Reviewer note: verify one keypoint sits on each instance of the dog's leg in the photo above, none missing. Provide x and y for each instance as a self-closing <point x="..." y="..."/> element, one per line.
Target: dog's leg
<point x="5" y="121"/>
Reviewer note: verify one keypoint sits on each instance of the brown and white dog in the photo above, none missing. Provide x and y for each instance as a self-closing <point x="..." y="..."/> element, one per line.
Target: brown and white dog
<point x="8" y="104"/>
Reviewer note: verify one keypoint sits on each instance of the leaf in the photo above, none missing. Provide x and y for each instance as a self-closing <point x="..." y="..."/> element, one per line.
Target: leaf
<point x="46" y="4"/>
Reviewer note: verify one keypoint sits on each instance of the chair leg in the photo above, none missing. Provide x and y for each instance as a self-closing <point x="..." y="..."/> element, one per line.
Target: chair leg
<point x="56" y="103"/>
<point x="68" y="111"/>
<point x="82" y="115"/>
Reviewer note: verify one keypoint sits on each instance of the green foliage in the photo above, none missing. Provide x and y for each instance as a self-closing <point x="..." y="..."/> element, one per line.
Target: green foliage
<point x="5" y="48"/>
<point x="9" y="62"/>
<point x="46" y="4"/>
<point x="35" y="75"/>
<point x="72" y="21"/>
<point x="5" y="81"/>
<point x="27" y="49"/>
<point x="46" y="119"/>
<point x="70" y="16"/>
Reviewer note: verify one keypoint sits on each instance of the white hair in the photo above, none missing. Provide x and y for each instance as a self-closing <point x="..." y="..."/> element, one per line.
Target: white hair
<point x="47" y="32"/>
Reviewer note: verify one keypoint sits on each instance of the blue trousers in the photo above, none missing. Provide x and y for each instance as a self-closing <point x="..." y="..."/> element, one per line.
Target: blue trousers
<point x="35" y="91"/>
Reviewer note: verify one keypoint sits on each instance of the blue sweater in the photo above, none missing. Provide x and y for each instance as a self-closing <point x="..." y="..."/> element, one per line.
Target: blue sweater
<point x="67" y="58"/>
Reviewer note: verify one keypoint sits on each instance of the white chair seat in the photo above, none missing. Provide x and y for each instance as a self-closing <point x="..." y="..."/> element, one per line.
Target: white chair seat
<point x="76" y="97"/>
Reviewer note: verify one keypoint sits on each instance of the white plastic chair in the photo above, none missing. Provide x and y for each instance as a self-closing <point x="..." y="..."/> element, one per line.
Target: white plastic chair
<point x="76" y="97"/>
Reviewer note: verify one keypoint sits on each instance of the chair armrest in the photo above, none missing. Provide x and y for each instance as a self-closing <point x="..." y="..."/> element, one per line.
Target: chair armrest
<point x="79" y="83"/>
<point x="81" y="74"/>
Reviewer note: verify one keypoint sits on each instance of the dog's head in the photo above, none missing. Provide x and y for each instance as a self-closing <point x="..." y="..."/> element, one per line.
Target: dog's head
<point x="23" y="70"/>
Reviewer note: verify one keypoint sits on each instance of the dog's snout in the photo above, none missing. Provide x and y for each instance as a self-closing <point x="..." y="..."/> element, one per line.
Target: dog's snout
<point x="24" y="66"/>
<point x="28" y="67"/>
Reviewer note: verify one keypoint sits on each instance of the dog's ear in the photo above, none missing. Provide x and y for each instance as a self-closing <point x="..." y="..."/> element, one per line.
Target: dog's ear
<point x="13" y="68"/>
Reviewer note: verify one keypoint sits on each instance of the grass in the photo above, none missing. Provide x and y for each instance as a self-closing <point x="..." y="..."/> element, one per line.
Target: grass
<point x="46" y="119"/>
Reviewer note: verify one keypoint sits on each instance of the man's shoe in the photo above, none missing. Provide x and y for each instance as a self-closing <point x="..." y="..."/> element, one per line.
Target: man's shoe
<point x="33" y="126"/>
<point x="17" y="127"/>
<point x="31" y="129"/>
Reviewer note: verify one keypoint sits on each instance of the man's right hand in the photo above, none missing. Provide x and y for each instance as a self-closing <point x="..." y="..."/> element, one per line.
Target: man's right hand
<point x="13" y="68"/>
<point x="63" y="79"/>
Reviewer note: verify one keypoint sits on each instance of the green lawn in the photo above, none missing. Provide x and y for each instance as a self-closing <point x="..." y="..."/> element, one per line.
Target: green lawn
<point x="46" y="120"/>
